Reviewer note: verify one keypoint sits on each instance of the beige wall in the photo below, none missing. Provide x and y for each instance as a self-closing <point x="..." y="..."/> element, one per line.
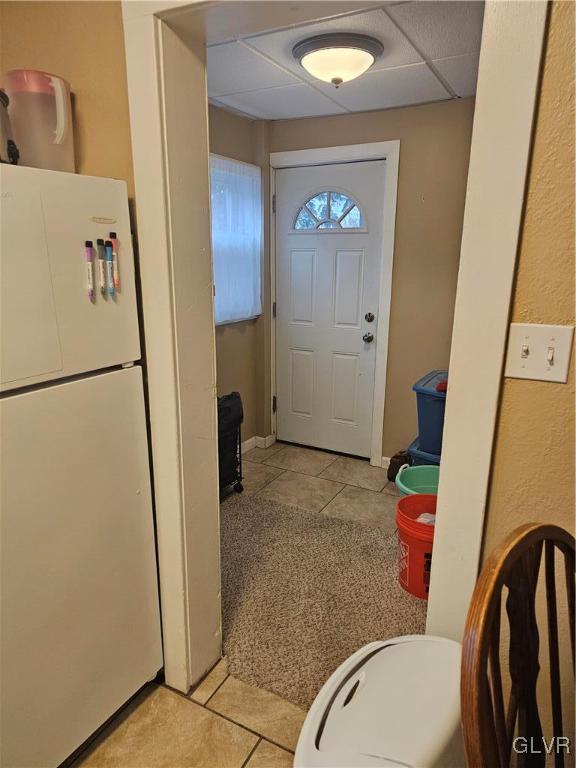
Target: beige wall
<point x="434" y="154"/>
<point x="433" y="164"/>
<point x="83" y="42"/>
<point x="533" y="472"/>
<point x="533" y="465"/>
<point x="435" y="146"/>
<point x="66" y="38"/>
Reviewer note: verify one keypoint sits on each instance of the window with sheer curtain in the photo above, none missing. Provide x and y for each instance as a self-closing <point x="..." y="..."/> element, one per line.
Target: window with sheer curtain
<point x="236" y="196"/>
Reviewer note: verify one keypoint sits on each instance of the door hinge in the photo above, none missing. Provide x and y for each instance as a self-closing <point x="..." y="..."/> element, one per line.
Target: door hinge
<point x="273" y="309"/>
<point x="274" y="203"/>
<point x="274" y="404"/>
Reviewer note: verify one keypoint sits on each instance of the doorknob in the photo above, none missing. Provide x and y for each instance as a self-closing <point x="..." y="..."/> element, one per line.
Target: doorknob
<point x="368" y="338"/>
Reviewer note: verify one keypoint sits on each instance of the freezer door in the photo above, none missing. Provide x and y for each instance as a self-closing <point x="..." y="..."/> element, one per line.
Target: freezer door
<point x="80" y="630"/>
<point x="50" y="328"/>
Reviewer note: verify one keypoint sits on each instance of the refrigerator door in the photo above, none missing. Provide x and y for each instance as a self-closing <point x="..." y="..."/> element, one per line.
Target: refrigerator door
<point x="50" y="328"/>
<point x="80" y="630"/>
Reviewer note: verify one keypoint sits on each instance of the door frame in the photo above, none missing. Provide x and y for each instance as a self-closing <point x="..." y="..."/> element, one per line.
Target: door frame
<point x="508" y="85"/>
<point x="381" y="150"/>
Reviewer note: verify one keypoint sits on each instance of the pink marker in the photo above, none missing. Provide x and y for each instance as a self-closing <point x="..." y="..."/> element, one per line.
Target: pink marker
<point x="90" y="270"/>
<point x="115" y="270"/>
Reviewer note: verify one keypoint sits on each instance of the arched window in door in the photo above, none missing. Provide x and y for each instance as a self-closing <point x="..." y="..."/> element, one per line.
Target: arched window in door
<point x="330" y="210"/>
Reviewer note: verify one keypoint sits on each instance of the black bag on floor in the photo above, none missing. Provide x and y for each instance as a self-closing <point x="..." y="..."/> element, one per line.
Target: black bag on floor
<point x="397" y="461"/>
<point x="230" y="416"/>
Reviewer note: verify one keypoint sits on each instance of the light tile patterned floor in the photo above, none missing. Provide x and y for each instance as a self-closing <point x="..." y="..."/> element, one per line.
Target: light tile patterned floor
<point x="319" y="481"/>
<point x="224" y="722"/>
<point x="304" y="491"/>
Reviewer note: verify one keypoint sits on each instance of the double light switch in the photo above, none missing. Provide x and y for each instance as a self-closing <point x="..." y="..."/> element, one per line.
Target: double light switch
<point x="540" y="352"/>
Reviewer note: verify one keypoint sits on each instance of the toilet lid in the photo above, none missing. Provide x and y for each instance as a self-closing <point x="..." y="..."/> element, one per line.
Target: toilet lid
<point x="401" y="703"/>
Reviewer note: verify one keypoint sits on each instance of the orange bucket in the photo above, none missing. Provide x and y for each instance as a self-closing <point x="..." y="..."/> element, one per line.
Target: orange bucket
<point x="416" y="537"/>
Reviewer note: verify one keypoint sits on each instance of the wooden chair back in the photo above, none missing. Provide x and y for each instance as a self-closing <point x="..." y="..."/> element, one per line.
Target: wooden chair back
<point x="489" y="724"/>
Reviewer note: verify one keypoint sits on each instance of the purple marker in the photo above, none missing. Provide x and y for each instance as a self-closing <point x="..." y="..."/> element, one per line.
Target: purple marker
<point x="90" y="270"/>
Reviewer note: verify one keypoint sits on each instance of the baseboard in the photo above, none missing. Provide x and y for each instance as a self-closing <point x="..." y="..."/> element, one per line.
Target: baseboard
<point x="247" y="445"/>
<point x="265" y="442"/>
<point x="258" y="442"/>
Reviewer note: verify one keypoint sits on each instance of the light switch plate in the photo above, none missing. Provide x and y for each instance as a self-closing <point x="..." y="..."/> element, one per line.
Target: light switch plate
<point x="539" y="352"/>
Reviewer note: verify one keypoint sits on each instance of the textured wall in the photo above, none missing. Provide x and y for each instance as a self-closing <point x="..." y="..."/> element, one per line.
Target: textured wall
<point x="83" y="42"/>
<point x="434" y="155"/>
<point x="533" y="472"/>
<point x="533" y="466"/>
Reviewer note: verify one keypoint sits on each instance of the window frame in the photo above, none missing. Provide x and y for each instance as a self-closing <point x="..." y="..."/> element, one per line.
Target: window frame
<point x="250" y="318"/>
<point x="329" y="230"/>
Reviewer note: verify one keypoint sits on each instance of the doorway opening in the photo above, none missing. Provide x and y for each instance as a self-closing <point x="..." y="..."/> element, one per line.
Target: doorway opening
<point x="170" y="150"/>
<point x="347" y="285"/>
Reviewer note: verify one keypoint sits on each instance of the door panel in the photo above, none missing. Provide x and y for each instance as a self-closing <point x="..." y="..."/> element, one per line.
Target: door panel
<point x="348" y="288"/>
<point x="302" y="382"/>
<point x="302" y="285"/>
<point x="344" y="387"/>
<point x="80" y="629"/>
<point x="50" y="327"/>
<point x="327" y="280"/>
<point x="30" y="345"/>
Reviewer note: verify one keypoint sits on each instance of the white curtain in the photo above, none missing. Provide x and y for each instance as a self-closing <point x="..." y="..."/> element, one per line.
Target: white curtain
<point x="236" y="239"/>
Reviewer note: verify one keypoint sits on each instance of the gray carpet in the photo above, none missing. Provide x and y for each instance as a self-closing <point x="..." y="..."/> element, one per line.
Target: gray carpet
<point x="302" y="591"/>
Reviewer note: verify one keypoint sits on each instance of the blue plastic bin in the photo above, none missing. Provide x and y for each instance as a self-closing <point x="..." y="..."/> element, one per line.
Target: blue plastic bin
<point x="431" y="405"/>
<point x="419" y="456"/>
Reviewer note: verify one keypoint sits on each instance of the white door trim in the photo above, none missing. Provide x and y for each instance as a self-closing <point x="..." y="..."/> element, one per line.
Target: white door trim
<point x="508" y="84"/>
<point x="272" y="257"/>
<point x="176" y="282"/>
<point x="382" y="150"/>
<point x="141" y="38"/>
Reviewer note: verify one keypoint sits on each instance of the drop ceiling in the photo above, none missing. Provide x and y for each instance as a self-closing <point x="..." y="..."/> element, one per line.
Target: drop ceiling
<point x="431" y="51"/>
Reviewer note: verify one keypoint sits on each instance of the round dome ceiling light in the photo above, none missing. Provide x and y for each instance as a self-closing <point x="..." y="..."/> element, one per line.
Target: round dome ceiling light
<point x="338" y="57"/>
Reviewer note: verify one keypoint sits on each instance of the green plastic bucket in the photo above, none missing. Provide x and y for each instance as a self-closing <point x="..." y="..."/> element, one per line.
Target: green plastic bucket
<point x="421" y="479"/>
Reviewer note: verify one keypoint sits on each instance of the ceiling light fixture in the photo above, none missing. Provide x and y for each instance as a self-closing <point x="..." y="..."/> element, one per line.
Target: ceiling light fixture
<point x="338" y="57"/>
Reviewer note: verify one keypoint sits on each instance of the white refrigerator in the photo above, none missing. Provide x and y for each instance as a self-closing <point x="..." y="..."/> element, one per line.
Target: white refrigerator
<point x="79" y="612"/>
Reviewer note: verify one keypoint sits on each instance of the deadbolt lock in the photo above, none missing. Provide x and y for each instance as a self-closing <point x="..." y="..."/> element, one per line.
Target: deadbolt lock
<point x="369" y="317"/>
<point x="368" y="338"/>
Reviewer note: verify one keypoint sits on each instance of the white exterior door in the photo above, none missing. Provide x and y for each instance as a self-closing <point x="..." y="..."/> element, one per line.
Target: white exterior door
<point x="329" y="227"/>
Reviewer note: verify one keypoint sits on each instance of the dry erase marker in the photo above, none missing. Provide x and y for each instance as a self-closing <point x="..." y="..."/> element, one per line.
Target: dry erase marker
<point x="101" y="267"/>
<point x="114" y="242"/>
<point x="109" y="270"/>
<point x="90" y="270"/>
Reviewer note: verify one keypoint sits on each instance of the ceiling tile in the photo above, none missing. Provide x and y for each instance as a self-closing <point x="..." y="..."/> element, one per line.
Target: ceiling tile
<point x="460" y="72"/>
<point x="414" y="84"/>
<point x="397" y="50"/>
<point x="232" y="68"/>
<point x="441" y="28"/>
<point x="226" y="21"/>
<point x="282" y="103"/>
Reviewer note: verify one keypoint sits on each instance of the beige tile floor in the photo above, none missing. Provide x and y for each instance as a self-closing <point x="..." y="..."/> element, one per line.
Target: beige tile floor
<point x="318" y="481"/>
<point x="222" y="723"/>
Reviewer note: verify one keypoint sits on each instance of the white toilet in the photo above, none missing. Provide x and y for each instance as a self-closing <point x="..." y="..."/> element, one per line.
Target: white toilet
<point x="392" y="703"/>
